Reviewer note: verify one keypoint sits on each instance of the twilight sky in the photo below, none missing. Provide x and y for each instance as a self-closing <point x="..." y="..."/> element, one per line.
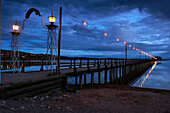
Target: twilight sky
<point x="142" y="23"/>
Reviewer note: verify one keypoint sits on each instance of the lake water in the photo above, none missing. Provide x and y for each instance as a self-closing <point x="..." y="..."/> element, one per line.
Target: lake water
<point x="159" y="78"/>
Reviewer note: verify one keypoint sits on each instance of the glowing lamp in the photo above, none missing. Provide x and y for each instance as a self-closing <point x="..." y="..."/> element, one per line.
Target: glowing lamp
<point x="105" y="34"/>
<point x="84" y="23"/>
<point x="130" y="46"/>
<point x="136" y="49"/>
<point x="117" y="40"/>
<point x="133" y="47"/>
<point x="52" y="19"/>
<point x="125" y="43"/>
<point x="15" y="27"/>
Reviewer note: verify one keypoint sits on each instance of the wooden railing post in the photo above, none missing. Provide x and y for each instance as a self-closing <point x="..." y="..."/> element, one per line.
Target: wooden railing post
<point x="88" y="67"/>
<point x="75" y="71"/>
<point x="80" y="62"/>
<point x="108" y="62"/>
<point x="98" y="65"/>
<point x="105" y="63"/>
<point x="120" y="64"/>
<point x="70" y="63"/>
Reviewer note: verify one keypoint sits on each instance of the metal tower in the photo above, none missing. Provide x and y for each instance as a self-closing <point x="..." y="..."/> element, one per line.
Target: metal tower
<point x="15" y="53"/>
<point x="51" y="47"/>
<point x="15" y="57"/>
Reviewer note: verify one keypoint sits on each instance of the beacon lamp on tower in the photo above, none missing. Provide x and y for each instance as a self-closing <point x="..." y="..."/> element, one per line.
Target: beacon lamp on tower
<point x="125" y="52"/>
<point x="52" y="19"/>
<point x="51" y="43"/>
<point x="15" y="57"/>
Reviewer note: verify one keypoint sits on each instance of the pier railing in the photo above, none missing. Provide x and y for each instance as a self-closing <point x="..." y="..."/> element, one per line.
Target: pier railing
<point x="74" y="63"/>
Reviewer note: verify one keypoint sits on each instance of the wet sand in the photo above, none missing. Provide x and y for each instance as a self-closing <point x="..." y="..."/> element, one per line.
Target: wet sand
<point x="97" y="99"/>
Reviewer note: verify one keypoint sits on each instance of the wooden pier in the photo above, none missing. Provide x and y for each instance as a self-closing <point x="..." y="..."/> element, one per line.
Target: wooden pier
<point x="121" y="71"/>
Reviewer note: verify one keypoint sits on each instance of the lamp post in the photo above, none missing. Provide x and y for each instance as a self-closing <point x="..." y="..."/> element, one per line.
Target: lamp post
<point x="125" y="52"/>
<point x="51" y="42"/>
<point x="15" y="46"/>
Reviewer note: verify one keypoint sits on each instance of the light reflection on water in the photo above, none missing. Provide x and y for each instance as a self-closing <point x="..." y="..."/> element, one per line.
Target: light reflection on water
<point x="159" y="78"/>
<point x="148" y="74"/>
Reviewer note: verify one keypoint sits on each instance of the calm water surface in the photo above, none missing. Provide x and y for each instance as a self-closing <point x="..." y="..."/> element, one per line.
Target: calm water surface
<point x="159" y="78"/>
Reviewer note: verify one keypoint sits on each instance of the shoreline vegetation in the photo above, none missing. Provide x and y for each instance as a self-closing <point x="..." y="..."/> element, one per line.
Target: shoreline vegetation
<point x="97" y="99"/>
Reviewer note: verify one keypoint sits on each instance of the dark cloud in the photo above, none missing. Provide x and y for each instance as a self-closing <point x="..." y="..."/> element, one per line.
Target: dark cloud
<point x="150" y="32"/>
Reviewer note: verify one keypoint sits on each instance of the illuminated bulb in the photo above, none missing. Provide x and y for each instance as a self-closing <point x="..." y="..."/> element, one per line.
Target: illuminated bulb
<point x="52" y="19"/>
<point x="125" y="43"/>
<point x="130" y="46"/>
<point x="84" y="23"/>
<point x="15" y="27"/>
<point x="133" y="47"/>
<point x="105" y="34"/>
<point x="117" y="40"/>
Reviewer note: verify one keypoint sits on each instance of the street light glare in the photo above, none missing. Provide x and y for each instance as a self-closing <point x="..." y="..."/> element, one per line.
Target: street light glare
<point x="105" y="34"/>
<point x="125" y="43"/>
<point x="130" y="46"/>
<point x="117" y="40"/>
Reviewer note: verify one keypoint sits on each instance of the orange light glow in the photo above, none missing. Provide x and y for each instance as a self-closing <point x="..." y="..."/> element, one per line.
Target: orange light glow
<point x="15" y="27"/>
<point x="84" y="23"/>
<point x="125" y="43"/>
<point x="130" y="46"/>
<point x="133" y="47"/>
<point x="52" y="19"/>
<point x="117" y="40"/>
<point x="148" y="74"/>
<point x="105" y="34"/>
<point x="136" y="49"/>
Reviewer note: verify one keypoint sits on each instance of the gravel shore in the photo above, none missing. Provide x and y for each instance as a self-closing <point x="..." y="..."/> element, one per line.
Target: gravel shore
<point x="97" y="99"/>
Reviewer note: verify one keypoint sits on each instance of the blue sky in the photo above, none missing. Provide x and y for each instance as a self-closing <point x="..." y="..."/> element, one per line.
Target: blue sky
<point x="142" y="23"/>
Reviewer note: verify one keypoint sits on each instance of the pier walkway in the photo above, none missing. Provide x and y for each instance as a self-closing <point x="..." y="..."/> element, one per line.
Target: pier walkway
<point x="68" y="67"/>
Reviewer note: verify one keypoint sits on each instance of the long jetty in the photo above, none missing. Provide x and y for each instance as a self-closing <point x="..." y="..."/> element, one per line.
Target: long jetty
<point x="121" y="71"/>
